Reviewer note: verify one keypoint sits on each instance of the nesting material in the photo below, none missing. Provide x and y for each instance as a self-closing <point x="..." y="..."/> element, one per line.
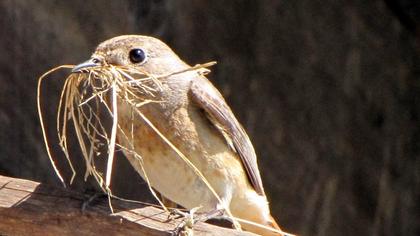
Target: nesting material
<point x="90" y="97"/>
<point x="84" y="99"/>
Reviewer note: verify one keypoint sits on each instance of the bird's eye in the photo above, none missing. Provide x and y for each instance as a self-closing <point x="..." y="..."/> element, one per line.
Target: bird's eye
<point x="137" y="55"/>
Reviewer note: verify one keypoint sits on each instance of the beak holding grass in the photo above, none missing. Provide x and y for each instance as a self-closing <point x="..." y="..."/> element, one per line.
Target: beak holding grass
<point x="90" y="95"/>
<point x="134" y="93"/>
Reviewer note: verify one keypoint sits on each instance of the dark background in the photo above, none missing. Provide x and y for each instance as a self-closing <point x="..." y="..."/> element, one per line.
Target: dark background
<point x="329" y="92"/>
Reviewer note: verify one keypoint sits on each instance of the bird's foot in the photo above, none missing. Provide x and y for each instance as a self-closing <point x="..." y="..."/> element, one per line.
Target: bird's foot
<point x="220" y="218"/>
<point x="215" y="217"/>
<point x="185" y="227"/>
<point x="176" y="214"/>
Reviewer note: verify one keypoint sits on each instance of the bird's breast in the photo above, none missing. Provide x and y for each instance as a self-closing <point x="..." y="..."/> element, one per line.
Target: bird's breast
<point x="190" y="133"/>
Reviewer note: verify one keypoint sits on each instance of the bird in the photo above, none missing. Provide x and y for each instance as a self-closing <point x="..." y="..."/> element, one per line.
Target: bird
<point x="193" y="115"/>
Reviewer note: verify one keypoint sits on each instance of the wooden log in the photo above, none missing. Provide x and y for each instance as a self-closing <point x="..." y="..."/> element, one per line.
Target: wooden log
<point x="31" y="208"/>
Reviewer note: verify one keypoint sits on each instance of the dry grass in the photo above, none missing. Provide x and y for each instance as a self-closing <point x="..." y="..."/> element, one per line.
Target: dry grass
<point x="87" y="97"/>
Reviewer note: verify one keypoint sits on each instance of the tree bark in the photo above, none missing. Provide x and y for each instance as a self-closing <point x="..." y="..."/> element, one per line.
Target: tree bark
<point x="28" y="207"/>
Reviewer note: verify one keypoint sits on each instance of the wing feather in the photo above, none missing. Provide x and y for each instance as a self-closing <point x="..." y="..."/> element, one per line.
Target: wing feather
<point x="205" y="95"/>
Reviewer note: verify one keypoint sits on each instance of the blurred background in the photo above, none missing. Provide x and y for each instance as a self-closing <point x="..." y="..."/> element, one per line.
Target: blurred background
<point x="329" y="92"/>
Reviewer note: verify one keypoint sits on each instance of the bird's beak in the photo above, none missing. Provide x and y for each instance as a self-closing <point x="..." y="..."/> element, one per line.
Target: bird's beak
<point x="93" y="62"/>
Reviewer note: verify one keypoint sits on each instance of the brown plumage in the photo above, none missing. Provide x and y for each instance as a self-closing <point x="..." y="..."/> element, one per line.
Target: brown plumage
<point x="193" y="116"/>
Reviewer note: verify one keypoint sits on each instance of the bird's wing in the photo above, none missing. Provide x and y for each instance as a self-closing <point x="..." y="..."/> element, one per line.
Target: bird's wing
<point x="208" y="98"/>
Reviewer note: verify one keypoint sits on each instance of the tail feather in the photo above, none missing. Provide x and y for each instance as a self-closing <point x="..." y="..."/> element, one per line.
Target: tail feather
<point x="273" y="223"/>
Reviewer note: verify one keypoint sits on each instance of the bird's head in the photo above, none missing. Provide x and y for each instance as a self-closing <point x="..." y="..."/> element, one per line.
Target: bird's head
<point x="144" y="53"/>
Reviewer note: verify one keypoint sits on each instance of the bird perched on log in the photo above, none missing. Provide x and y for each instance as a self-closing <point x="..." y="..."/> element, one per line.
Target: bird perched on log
<point x="195" y="118"/>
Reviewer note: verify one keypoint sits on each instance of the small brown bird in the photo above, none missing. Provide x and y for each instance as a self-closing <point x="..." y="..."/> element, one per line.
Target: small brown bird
<point x="194" y="117"/>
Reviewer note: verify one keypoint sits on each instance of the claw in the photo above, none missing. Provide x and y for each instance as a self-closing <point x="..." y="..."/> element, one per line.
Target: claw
<point x="185" y="228"/>
<point x="176" y="214"/>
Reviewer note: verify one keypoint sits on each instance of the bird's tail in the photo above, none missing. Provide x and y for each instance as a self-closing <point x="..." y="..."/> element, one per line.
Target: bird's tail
<point x="271" y="228"/>
<point x="273" y="223"/>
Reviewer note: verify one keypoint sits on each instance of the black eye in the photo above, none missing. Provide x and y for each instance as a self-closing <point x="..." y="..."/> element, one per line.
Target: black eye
<point x="137" y="55"/>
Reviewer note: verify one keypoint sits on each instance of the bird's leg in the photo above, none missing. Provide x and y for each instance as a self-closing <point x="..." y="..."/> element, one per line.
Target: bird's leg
<point x="185" y="227"/>
<point x="218" y="217"/>
<point x="175" y="213"/>
<point x="213" y="214"/>
<point x="215" y="217"/>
